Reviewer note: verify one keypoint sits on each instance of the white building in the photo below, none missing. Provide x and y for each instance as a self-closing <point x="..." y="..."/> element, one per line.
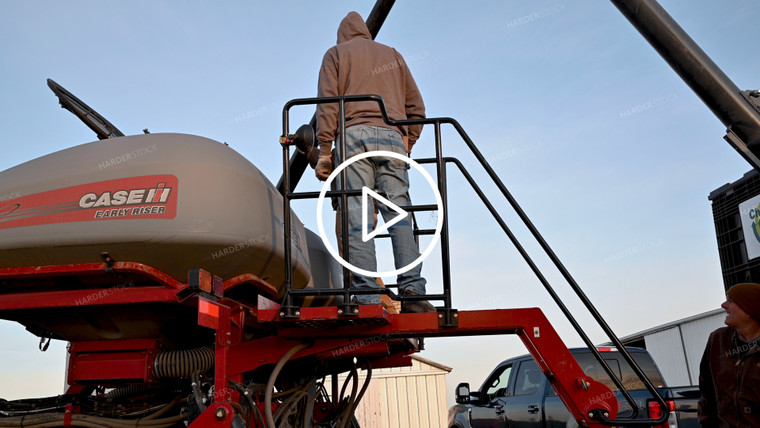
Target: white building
<point x="404" y="397"/>
<point x="677" y="346"/>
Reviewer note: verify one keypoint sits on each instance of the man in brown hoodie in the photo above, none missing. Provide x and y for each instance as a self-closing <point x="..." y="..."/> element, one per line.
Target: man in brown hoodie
<point x="729" y="375"/>
<point x="358" y="65"/>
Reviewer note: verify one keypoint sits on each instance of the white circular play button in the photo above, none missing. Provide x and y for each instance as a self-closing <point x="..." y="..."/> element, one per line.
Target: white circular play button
<point x="367" y="226"/>
<point x="368" y="234"/>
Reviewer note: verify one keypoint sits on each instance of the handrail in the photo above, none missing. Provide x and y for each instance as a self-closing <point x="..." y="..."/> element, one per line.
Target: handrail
<point x="288" y="309"/>
<point x="440" y="162"/>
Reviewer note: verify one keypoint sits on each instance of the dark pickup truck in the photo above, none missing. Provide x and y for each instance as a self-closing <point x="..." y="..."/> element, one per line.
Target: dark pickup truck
<point x="517" y="394"/>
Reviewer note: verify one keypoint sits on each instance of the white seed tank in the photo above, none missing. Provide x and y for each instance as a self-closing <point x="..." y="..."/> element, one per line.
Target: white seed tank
<point x="170" y="201"/>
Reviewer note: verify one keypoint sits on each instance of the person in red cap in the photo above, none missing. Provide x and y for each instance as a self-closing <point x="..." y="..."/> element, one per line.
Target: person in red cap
<point x="729" y="374"/>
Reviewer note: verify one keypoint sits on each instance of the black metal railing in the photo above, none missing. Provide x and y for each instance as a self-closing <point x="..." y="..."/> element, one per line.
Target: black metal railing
<point x="346" y="292"/>
<point x="447" y="312"/>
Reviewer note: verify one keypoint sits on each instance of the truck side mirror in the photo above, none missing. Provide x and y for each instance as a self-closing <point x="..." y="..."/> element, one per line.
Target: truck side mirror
<point x="463" y="393"/>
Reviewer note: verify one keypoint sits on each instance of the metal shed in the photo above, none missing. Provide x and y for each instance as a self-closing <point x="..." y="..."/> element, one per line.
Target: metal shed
<point x="405" y="397"/>
<point x="677" y="346"/>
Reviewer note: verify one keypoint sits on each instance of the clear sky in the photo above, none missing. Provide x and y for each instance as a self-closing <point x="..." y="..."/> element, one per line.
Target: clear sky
<point x="606" y="149"/>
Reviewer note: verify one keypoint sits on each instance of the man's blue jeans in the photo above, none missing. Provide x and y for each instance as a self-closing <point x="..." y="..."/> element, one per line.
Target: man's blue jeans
<point x="386" y="176"/>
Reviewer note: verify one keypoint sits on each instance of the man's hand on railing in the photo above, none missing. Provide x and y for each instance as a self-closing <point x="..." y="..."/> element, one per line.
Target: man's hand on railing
<point x="313" y="156"/>
<point x="324" y="167"/>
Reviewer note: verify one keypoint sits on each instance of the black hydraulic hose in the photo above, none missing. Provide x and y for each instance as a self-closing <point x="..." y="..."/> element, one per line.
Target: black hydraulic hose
<point x="248" y="399"/>
<point x="359" y="397"/>
<point x="197" y="393"/>
<point x="127" y="391"/>
<point x="354" y="377"/>
<point x="183" y="363"/>
<point x="257" y="412"/>
<point x="345" y="384"/>
<point x="273" y="377"/>
<point x="291" y="404"/>
<point x="163" y="410"/>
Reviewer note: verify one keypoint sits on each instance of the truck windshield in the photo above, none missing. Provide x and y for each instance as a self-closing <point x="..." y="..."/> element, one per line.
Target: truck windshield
<point x="621" y="368"/>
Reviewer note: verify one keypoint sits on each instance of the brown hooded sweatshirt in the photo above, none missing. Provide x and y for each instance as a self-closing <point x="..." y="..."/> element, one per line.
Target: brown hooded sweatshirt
<point x="358" y="65"/>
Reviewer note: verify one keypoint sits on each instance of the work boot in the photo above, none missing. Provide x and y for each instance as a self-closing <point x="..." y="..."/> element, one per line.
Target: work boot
<point x="415" y="306"/>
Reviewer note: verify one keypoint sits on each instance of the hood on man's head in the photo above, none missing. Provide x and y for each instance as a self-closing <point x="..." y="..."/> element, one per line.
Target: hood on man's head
<point x="352" y="26"/>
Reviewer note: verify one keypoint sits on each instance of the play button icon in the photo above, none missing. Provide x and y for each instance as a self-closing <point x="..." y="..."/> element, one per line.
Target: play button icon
<point x="401" y="214"/>
<point x="367" y="232"/>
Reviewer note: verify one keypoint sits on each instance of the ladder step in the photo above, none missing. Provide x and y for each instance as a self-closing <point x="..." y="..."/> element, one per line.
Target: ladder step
<point x="416" y="232"/>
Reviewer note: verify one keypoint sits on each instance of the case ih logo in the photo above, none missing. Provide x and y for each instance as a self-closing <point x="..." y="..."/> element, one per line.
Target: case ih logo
<point x="146" y="197"/>
<point x="157" y="195"/>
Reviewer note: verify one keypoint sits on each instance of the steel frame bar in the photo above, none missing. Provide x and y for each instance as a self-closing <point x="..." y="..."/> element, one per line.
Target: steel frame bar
<point x="166" y="291"/>
<point x="110" y="361"/>
<point x="582" y="395"/>
<point x="372" y="333"/>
